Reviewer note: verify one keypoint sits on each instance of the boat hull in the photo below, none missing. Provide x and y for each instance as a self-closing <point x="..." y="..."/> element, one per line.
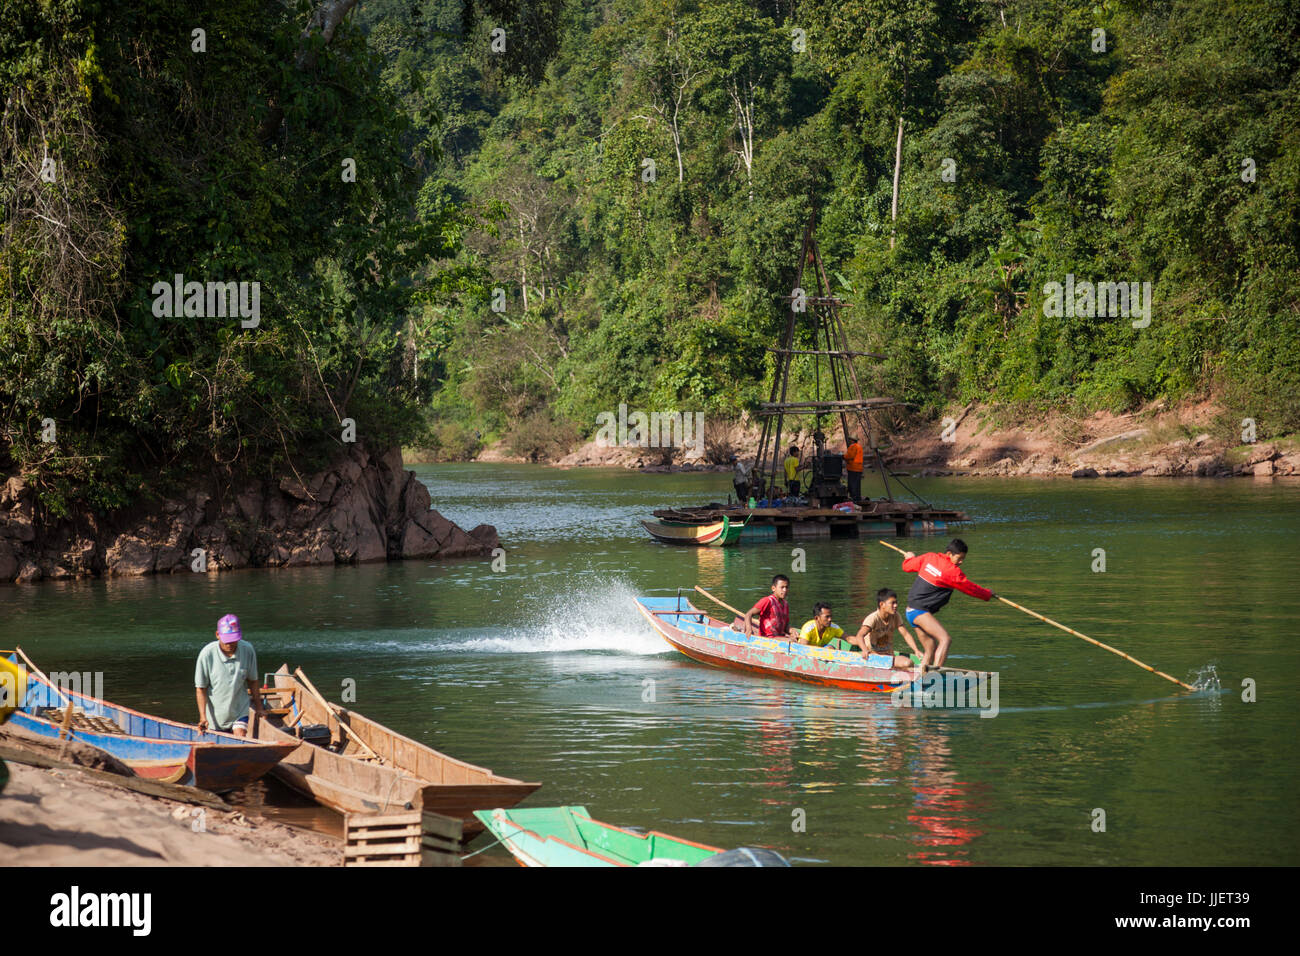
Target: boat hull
<point x="714" y="534"/>
<point x="568" y="836"/>
<point x="153" y="747"/>
<point x="410" y="776"/>
<point x="701" y="638"/>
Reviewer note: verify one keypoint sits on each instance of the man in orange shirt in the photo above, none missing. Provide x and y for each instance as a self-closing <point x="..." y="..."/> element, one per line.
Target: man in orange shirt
<point x="853" y="467"/>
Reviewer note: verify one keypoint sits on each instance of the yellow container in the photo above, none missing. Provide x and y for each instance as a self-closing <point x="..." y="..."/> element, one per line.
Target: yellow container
<point x="13" y="687"/>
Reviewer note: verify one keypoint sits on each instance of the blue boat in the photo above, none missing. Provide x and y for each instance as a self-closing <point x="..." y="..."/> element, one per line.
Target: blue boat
<point x="153" y="747"/>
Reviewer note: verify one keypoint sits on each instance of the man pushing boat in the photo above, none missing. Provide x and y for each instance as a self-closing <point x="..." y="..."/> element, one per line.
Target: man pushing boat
<point x="937" y="575"/>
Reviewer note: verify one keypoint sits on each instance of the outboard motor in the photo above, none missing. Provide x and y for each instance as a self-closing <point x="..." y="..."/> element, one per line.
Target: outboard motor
<point x="745" y="856"/>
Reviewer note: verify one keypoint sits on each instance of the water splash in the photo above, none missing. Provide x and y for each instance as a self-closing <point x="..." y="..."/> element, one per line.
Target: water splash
<point x="592" y="618"/>
<point x="1207" y="679"/>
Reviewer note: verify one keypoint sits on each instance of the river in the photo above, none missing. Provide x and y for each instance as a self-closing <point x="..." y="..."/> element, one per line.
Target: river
<point x="543" y="670"/>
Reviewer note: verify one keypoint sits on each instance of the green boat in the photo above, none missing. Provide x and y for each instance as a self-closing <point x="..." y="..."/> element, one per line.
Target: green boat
<point x="568" y="836"/>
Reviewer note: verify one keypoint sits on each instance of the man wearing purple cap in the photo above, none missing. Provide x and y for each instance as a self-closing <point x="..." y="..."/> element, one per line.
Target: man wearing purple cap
<point x="226" y="679"/>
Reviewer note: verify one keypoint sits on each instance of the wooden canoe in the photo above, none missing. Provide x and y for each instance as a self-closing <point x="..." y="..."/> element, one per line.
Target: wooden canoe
<point x="701" y="638"/>
<point x="402" y="774"/>
<point x="568" y="836"/>
<point x="154" y="748"/>
<point x="713" y="534"/>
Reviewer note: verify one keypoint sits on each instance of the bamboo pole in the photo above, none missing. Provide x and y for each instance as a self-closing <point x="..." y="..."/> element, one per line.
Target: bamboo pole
<point x="1070" y="630"/>
<point x="41" y="674"/>
<point x="332" y="709"/>
<point x="717" y="601"/>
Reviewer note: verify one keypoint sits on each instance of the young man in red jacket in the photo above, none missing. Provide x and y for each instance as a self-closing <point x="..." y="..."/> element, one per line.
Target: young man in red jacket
<point x="936" y="577"/>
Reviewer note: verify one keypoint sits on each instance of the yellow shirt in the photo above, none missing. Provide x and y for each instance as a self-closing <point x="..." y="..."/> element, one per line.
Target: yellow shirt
<point x="791" y="468"/>
<point x="809" y="634"/>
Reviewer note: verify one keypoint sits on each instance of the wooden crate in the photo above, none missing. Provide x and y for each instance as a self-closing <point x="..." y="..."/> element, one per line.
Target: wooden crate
<point x="410" y="838"/>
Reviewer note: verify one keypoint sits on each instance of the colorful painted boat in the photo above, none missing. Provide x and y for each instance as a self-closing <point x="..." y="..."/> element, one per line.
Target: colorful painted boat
<point x="701" y="638"/>
<point x="710" y="534"/>
<point x="390" y="772"/>
<point x="153" y="747"/>
<point x="568" y="836"/>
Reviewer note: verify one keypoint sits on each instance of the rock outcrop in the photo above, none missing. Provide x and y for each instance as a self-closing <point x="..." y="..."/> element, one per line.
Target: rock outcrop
<point x="363" y="508"/>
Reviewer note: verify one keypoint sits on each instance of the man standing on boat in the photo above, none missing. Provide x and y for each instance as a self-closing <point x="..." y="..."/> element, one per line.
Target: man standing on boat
<point x="225" y="681"/>
<point x="740" y="480"/>
<point x="936" y="577"/>
<point x="853" y="467"/>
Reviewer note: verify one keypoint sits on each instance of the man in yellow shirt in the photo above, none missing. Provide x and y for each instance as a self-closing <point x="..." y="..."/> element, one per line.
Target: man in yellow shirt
<point x="820" y="631"/>
<point x="791" y="464"/>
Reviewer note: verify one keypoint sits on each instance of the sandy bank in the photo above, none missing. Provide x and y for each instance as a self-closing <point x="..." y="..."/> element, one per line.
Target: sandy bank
<point x="68" y="817"/>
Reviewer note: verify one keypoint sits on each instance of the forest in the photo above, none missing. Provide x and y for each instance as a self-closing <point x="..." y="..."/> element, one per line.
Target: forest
<point x="472" y="220"/>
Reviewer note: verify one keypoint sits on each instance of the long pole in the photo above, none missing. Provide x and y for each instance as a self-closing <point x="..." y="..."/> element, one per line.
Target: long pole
<point x="717" y="601"/>
<point x="1070" y="630"/>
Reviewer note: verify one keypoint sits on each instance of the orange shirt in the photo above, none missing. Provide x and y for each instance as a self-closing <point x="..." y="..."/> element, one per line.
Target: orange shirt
<point x="853" y="458"/>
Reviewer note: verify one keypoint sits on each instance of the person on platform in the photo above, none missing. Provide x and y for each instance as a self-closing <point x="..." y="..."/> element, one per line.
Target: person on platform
<point x="853" y="467"/>
<point x="740" y="480"/>
<point x="876" y="636"/>
<point x="791" y="465"/>
<point x="226" y="679"/>
<point x="937" y="575"/>
<point x="773" y="612"/>
<point x="821" y="630"/>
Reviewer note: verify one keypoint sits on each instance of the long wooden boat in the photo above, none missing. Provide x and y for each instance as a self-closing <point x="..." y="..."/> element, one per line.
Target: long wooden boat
<point x="701" y="638"/>
<point x="367" y="768"/>
<point x="153" y="747"/>
<point x="707" y="534"/>
<point x="568" y="836"/>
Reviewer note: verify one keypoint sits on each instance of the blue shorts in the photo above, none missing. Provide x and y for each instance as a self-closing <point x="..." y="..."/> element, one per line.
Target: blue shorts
<point x="913" y="614"/>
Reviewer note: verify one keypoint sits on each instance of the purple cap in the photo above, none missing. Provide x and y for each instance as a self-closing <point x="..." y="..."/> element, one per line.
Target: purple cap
<point x="228" y="629"/>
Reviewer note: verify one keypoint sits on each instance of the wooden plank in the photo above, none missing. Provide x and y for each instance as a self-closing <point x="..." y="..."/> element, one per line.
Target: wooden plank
<point x="437" y="824"/>
<point x="388" y="830"/>
<point x="404" y="848"/>
<point x="436" y="843"/>
<point x="383" y="819"/>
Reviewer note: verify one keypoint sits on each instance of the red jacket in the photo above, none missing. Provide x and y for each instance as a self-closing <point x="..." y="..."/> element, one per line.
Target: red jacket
<point x="936" y="578"/>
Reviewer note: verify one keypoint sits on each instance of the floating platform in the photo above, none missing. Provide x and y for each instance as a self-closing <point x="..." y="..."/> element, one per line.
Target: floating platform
<point x="876" y="518"/>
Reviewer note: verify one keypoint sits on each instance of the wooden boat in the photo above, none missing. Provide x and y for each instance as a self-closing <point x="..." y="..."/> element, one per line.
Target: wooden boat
<point x="709" y="534"/>
<point x="153" y="747"/>
<point x="361" y="766"/>
<point x="701" y="638"/>
<point x="568" y="836"/>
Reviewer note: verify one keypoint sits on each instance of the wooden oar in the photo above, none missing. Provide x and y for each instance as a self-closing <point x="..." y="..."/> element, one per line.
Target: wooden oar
<point x="717" y="601"/>
<point x="331" y="709"/>
<point x="1070" y="630"/>
<point x="41" y="674"/>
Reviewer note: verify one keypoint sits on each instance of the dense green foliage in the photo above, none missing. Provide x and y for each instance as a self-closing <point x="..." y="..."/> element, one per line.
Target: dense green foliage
<point x="1122" y="164"/>
<point x="604" y="203"/>
<point x="133" y="150"/>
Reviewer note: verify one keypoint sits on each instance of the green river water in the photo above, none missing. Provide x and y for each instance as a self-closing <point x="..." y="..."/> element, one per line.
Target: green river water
<point x="543" y="670"/>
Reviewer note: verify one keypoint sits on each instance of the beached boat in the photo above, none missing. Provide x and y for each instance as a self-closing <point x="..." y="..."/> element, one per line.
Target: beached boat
<point x="701" y="638"/>
<point x="568" y="836"/>
<point x="709" y="534"/>
<point x="360" y="766"/>
<point x="153" y="747"/>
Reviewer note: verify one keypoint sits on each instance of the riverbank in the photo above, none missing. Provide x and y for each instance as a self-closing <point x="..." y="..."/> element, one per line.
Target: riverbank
<point x="73" y="814"/>
<point x="1198" y="439"/>
<point x="364" y="507"/>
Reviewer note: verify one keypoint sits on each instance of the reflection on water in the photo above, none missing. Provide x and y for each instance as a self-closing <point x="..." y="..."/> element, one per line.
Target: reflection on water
<point x="545" y="671"/>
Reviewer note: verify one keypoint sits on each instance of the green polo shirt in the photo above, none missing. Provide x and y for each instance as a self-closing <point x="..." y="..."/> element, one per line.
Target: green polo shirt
<point x="225" y="678"/>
